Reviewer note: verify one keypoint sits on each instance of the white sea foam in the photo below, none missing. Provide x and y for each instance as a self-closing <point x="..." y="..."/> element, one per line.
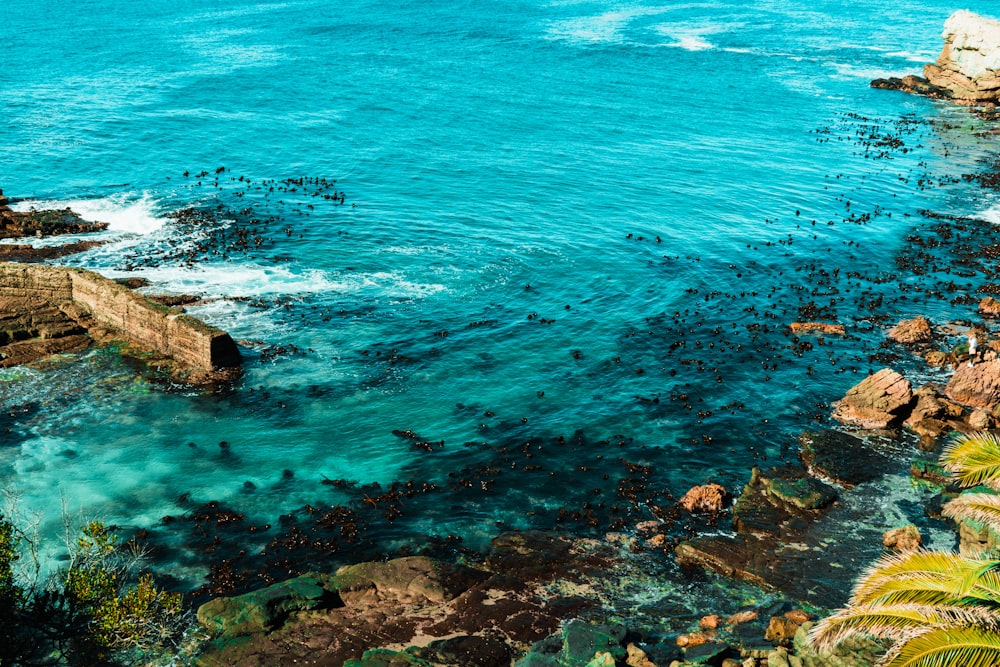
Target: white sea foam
<point x="125" y="213"/>
<point x="691" y="37"/>
<point x="991" y="215"/>
<point x="848" y="71"/>
<point x="913" y="56"/>
<point x="248" y="280"/>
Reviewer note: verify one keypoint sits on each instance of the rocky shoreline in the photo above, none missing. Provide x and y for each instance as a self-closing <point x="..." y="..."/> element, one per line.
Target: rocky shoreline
<point x="968" y="69"/>
<point x="47" y="310"/>
<point x="534" y="599"/>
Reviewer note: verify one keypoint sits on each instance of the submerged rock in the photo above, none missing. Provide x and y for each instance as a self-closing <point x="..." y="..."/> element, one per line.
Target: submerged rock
<point x="841" y="457"/>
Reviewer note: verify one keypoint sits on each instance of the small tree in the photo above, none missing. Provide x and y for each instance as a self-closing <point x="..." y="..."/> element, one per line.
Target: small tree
<point x="936" y="609"/>
<point x="94" y="613"/>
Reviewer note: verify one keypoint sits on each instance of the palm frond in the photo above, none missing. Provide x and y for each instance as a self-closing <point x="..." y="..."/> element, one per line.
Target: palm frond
<point x="981" y="507"/>
<point x="974" y="458"/>
<point x="895" y="622"/>
<point x="921" y="577"/>
<point x="947" y="647"/>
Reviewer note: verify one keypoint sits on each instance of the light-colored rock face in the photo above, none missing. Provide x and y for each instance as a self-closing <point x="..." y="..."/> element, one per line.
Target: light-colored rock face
<point x="975" y="42"/>
<point x="969" y="65"/>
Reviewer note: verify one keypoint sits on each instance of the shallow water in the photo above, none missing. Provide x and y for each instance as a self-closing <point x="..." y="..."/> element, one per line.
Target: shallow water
<point x="557" y="218"/>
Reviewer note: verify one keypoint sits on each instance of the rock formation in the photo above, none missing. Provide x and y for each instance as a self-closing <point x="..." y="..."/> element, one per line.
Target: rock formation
<point x="876" y="402"/>
<point x="912" y="332"/>
<point x="968" y="68"/>
<point x="45" y="309"/>
<point x="969" y="62"/>
<point x="977" y="386"/>
<point x="15" y="224"/>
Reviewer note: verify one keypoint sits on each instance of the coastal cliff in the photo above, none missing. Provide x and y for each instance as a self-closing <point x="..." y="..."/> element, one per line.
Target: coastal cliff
<point x="968" y="69"/>
<point x="969" y="65"/>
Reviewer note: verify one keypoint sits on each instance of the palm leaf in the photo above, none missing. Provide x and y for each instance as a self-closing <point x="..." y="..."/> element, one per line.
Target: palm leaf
<point x="923" y="577"/>
<point x="947" y="647"/>
<point x="974" y="458"/>
<point x="895" y="622"/>
<point x="981" y="507"/>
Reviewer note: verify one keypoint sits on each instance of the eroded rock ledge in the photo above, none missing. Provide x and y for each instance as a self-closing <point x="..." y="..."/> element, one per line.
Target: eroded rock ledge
<point x="45" y="309"/>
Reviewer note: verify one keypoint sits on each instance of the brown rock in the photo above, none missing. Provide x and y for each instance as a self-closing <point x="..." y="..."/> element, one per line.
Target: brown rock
<point x="989" y="307"/>
<point x="710" y="622"/>
<point x="798" y="616"/>
<point x="707" y="498"/>
<point x="981" y="420"/>
<point x="636" y="657"/>
<point x="742" y="617"/>
<point x="978" y="386"/>
<point x="817" y="328"/>
<point x="781" y="629"/>
<point x="695" y="639"/>
<point x="911" y="332"/>
<point x="876" y="402"/>
<point x="936" y="358"/>
<point x="906" y="538"/>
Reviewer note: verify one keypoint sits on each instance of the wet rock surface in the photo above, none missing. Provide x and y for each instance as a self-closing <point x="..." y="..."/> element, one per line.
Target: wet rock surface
<point x="362" y="611"/>
<point x="841" y="457"/>
<point x="45" y="309"/>
<point x="876" y="402"/>
<point x="17" y="224"/>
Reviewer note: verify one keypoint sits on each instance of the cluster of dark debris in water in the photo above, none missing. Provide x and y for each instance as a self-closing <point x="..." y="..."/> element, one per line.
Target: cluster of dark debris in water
<point x="239" y="218"/>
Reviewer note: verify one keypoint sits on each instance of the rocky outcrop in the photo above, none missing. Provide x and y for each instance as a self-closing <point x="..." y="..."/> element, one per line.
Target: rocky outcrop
<point x="817" y="328"/>
<point x="977" y="386"/>
<point x="705" y="498"/>
<point x="16" y="224"/>
<point x="969" y="65"/>
<point x="967" y="70"/>
<point x="444" y="613"/>
<point x="106" y="309"/>
<point x="773" y="519"/>
<point x="878" y="401"/>
<point x="912" y="332"/>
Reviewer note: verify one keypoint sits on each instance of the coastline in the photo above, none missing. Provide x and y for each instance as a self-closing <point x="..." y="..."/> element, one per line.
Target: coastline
<point x="590" y="514"/>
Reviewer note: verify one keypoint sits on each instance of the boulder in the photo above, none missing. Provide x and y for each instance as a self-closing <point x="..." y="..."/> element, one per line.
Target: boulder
<point x="265" y="609"/>
<point x="989" y="307"/>
<point x="878" y="401"/>
<point x="781" y="629"/>
<point x="706" y="498"/>
<point x="968" y="68"/>
<point x="840" y="457"/>
<point x="977" y="386"/>
<point x="407" y="580"/>
<point x="906" y="538"/>
<point x="912" y="332"/>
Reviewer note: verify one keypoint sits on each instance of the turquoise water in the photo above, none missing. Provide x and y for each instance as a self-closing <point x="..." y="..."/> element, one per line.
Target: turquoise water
<point x="558" y="218"/>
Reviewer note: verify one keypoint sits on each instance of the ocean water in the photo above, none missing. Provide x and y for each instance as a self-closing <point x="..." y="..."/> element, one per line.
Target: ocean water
<point x="447" y="234"/>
